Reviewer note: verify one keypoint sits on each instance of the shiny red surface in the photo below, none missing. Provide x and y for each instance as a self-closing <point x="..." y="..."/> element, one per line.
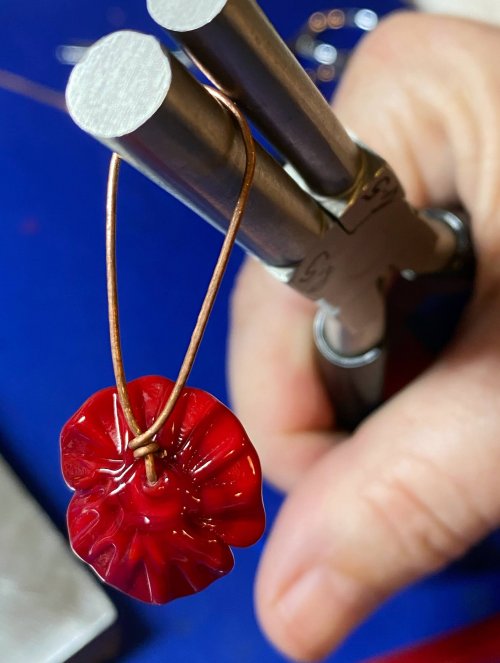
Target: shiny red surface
<point x="171" y="539"/>
<point x="479" y="643"/>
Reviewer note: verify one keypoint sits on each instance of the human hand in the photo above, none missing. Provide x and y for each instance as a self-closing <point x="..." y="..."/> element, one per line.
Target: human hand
<point x="417" y="484"/>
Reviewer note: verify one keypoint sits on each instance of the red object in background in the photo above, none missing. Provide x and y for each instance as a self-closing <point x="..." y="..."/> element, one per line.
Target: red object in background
<point x="479" y="643"/>
<point x="162" y="541"/>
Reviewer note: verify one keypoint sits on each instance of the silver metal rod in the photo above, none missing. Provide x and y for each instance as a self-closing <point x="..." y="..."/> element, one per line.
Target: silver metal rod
<point x="235" y="45"/>
<point x="130" y="94"/>
<point x="356" y="383"/>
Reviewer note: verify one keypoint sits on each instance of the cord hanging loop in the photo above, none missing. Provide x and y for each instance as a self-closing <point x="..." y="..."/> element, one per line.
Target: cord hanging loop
<point x="143" y="443"/>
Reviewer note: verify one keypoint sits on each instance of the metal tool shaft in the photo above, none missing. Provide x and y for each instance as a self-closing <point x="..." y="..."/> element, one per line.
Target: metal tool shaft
<point x="130" y="94"/>
<point x="237" y="47"/>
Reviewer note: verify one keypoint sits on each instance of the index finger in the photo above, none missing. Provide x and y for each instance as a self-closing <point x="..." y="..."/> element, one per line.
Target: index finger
<point x="274" y="382"/>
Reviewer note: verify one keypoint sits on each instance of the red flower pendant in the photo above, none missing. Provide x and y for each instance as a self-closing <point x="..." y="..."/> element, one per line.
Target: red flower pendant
<point x="162" y="541"/>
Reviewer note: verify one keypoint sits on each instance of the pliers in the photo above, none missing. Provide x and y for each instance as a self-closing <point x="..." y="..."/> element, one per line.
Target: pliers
<point x="327" y="216"/>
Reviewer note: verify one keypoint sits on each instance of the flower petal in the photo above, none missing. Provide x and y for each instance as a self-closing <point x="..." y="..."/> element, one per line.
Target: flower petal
<point x="94" y="442"/>
<point x="161" y="541"/>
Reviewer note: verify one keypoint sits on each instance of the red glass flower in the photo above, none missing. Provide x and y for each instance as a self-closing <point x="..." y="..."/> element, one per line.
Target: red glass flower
<point x="162" y="541"/>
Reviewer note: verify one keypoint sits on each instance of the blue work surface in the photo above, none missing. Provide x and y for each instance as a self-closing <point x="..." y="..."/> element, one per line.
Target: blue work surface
<point x="54" y="340"/>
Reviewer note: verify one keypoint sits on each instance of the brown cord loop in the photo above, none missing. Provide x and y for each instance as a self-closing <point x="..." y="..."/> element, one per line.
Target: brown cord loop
<point x="150" y="448"/>
<point x="143" y="443"/>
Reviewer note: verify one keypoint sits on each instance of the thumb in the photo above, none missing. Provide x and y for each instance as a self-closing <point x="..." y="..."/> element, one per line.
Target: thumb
<point x="412" y="489"/>
<point x="417" y="484"/>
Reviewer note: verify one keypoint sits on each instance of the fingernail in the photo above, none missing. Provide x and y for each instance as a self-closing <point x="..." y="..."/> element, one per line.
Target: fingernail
<point x="317" y="612"/>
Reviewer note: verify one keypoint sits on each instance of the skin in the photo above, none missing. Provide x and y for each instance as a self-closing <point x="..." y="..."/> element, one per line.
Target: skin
<point x="417" y="484"/>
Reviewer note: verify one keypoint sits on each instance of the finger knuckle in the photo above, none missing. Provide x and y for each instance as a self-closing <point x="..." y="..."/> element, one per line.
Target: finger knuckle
<point x="393" y="37"/>
<point x="425" y="536"/>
